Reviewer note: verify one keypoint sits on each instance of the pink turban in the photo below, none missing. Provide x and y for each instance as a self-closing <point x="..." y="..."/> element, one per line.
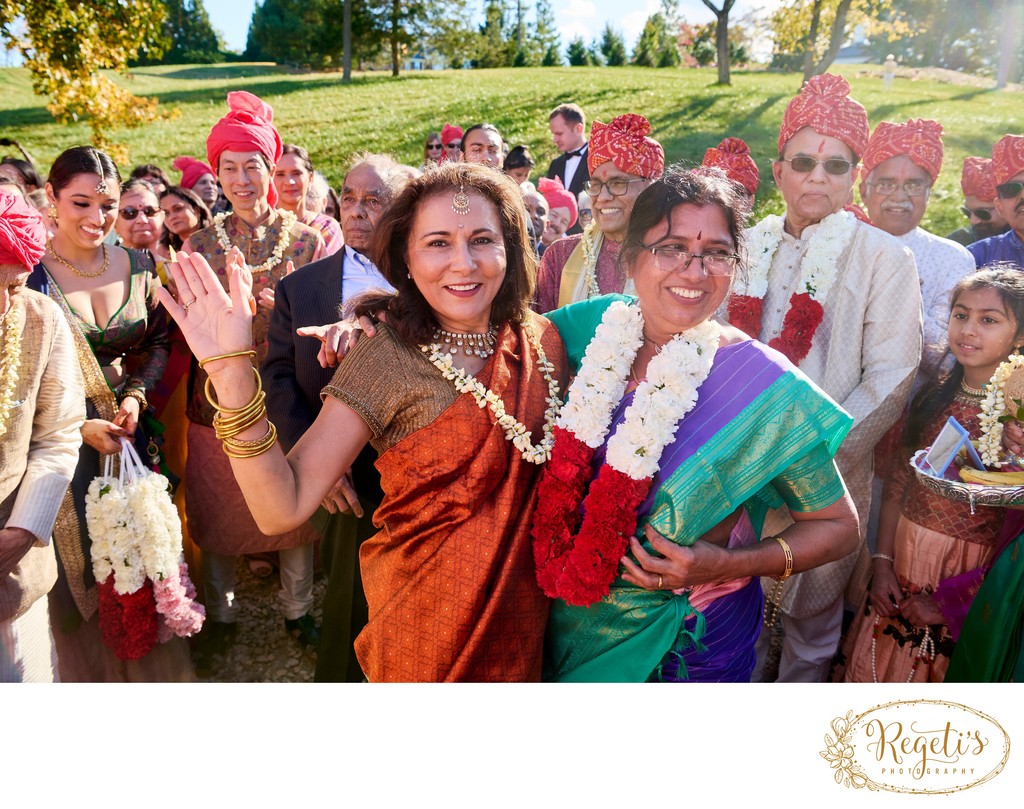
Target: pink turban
<point x="976" y="178"/>
<point x="1008" y="158"/>
<point x="919" y="139"/>
<point x="449" y="132"/>
<point x="557" y="197"/>
<point x="191" y="170"/>
<point x="22" y="232"/>
<point x="732" y="155"/>
<point x="824" y="104"/>
<point x="247" y="127"/>
<point x="625" y="143"/>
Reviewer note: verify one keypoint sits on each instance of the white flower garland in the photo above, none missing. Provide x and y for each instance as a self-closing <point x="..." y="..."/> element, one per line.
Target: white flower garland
<point x="993" y="408"/>
<point x="288" y="220"/>
<point x="515" y="431"/>
<point x="819" y="267"/>
<point x="11" y="358"/>
<point x="590" y="260"/>
<point x="674" y="376"/>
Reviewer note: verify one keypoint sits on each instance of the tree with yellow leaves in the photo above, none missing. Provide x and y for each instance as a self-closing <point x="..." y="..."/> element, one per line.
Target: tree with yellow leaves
<point x="67" y="43"/>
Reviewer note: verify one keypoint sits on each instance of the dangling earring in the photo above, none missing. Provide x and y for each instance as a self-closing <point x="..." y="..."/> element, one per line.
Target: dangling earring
<point x="52" y="212"/>
<point x="409" y="276"/>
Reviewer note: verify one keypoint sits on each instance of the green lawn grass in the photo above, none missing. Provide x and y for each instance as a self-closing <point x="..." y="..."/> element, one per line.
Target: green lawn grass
<point x="380" y="113"/>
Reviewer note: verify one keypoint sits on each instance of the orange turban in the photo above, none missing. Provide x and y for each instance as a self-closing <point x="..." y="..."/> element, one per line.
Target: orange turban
<point x="557" y="197"/>
<point x="1008" y="158"/>
<point x="976" y="179"/>
<point x="732" y="155"/>
<point x="22" y="232"/>
<point x="247" y="127"/>
<point x="191" y="170"/>
<point x="824" y="104"/>
<point x="625" y="143"/>
<point x="919" y="139"/>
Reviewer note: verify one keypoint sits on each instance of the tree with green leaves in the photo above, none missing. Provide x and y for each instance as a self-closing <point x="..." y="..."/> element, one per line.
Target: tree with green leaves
<point x="451" y="33"/>
<point x="613" y="47"/>
<point x="656" y="46"/>
<point x="65" y="45"/>
<point x="548" y="43"/>
<point x="189" y="37"/>
<point x="493" y="48"/>
<point x="578" y="53"/>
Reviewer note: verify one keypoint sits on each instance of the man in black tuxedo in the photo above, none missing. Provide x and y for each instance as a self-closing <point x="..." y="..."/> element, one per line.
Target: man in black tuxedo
<point x="293" y="378"/>
<point x="568" y="127"/>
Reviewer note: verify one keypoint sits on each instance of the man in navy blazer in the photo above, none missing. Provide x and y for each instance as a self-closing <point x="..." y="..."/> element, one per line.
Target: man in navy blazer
<point x="568" y="127"/>
<point x="293" y="378"/>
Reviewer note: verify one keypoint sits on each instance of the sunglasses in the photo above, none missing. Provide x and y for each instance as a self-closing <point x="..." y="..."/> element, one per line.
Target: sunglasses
<point x="805" y="165"/>
<point x="984" y="214"/>
<point x="131" y="213"/>
<point x="1010" y="190"/>
<point x="455" y="144"/>
<point x="434" y="146"/>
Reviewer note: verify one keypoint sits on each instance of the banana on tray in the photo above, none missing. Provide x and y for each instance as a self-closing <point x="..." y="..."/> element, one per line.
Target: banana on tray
<point x="969" y="474"/>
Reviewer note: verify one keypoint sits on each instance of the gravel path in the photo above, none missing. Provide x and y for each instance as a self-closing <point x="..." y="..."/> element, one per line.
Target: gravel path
<point x="263" y="652"/>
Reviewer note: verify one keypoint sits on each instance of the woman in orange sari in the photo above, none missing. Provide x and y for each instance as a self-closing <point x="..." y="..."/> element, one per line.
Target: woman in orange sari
<point x="452" y="393"/>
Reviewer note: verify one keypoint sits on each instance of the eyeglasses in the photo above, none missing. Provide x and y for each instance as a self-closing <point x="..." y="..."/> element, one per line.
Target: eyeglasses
<point x="984" y="214"/>
<point x="616" y="187"/>
<point x="805" y="165"/>
<point x="131" y="213"/>
<point x="912" y="188"/>
<point x="435" y="146"/>
<point x="1010" y="190"/>
<point x="455" y="144"/>
<point x="672" y="257"/>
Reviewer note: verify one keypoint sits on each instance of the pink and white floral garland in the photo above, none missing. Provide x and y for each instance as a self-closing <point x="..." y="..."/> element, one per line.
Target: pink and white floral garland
<point x="579" y="567"/>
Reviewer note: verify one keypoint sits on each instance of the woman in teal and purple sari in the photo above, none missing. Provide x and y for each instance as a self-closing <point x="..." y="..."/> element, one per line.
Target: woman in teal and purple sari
<point x="679" y="434"/>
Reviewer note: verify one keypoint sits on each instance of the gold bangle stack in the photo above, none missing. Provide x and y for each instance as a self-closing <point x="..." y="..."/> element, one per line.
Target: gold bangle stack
<point x="138" y="396"/>
<point x="775" y="596"/>
<point x="229" y="422"/>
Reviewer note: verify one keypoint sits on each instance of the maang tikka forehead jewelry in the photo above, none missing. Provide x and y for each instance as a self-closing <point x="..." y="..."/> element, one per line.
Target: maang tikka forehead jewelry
<point x="460" y="202"/>
<point x="101" y="187"/>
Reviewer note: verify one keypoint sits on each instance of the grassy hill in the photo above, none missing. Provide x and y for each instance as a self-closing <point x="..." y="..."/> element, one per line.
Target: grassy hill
<point x="380" y="113"/>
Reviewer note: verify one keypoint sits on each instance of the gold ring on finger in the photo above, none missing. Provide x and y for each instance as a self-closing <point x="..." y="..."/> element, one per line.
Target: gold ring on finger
<point x="659" y="583"/>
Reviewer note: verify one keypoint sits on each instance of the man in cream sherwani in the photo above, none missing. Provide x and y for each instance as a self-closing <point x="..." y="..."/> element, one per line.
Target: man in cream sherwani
<point x="842" y="300"/>
<point x="42" y="407"/>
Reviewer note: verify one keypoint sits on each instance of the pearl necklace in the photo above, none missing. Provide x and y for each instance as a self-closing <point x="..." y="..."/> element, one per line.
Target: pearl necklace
<point x="73" y="268"/>
<point x="515" y="431"/>
<point x="11" y="359"/>
<point x="288" y="220"/>
<point x="480" y="345"/>
<point x="590" y="260"/>
<point x="927" y="651"/>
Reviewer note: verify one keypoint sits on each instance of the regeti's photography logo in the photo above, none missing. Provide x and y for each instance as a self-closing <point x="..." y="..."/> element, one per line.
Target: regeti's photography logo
<point x="917" y="746"/>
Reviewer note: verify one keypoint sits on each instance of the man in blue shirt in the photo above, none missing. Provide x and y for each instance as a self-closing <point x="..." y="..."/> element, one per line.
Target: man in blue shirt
<point x="1008" y="167"/>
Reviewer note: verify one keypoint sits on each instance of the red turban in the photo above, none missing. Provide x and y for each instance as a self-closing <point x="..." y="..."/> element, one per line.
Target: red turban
<point x="977" y="180"/>
<point x="191" y="170"/>
<point x="247" y="127"/>
<point x="824" y="104"/>
<point x="450" y="132"/>
<point x="22" y="232"/>
<point x="557" y="197"/>
<point x="732" y="155"/>
<point x="919" y="139"/>
<point x="624" y="142"/>
<point x="1008" y="158"/>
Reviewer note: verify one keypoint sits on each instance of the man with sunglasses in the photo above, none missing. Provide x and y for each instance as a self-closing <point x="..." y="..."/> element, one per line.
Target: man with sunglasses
<point x="841" y="299"/>
<point x="1008" y="168"/>
<point x="901" y="165"/>
<point x="979" y="187"/>
<point x="622" y="161"/>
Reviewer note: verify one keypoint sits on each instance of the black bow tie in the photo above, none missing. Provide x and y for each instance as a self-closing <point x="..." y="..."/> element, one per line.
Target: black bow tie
<point x="578" y="153"/>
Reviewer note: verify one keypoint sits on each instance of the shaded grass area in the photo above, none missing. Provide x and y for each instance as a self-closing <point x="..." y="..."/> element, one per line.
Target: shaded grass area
<point x="688" y="112"/>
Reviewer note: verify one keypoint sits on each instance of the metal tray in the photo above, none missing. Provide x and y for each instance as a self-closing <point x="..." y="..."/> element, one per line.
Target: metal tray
<point x="975" y="494"/>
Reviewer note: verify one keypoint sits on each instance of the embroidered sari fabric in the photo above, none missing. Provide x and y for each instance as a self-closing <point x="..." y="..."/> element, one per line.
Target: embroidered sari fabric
<point x="941" y="548"/>
<point x="449" y="576"/>
<point x="761" y="435"/>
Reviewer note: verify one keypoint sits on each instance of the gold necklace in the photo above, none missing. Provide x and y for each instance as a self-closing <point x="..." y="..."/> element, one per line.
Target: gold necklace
<point x="74" y="269"/>
<point x="977" y="392"/>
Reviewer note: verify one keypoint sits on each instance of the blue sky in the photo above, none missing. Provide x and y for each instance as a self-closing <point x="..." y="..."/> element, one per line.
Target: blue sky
<point x="574" y="17"/>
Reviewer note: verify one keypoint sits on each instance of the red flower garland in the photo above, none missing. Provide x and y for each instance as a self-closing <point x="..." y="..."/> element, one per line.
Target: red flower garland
<point x="128" y="622"/>
<point x="798" y="327"/>
<point x="580" y="568"/>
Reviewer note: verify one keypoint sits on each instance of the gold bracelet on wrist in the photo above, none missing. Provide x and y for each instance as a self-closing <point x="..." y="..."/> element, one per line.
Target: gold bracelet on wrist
<point x="208" y="390"/>
<point x="229" y="426"/>
<point x="774" y="599"/>
<point x="237" y="448"/>
<point x="250" y="353"/>
<point x="789" y="558"/>
<point x="137" y="395"/>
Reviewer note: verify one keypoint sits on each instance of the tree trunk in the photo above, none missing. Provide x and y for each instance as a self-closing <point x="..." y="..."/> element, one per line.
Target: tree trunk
<point x="396" y="11"/>
<point x="346" y="42"/>
<point x="835" y="41"/>
<point x="1009" y="36"/>
<point x="722" y="37"/>
<point x="811" y="41"/>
